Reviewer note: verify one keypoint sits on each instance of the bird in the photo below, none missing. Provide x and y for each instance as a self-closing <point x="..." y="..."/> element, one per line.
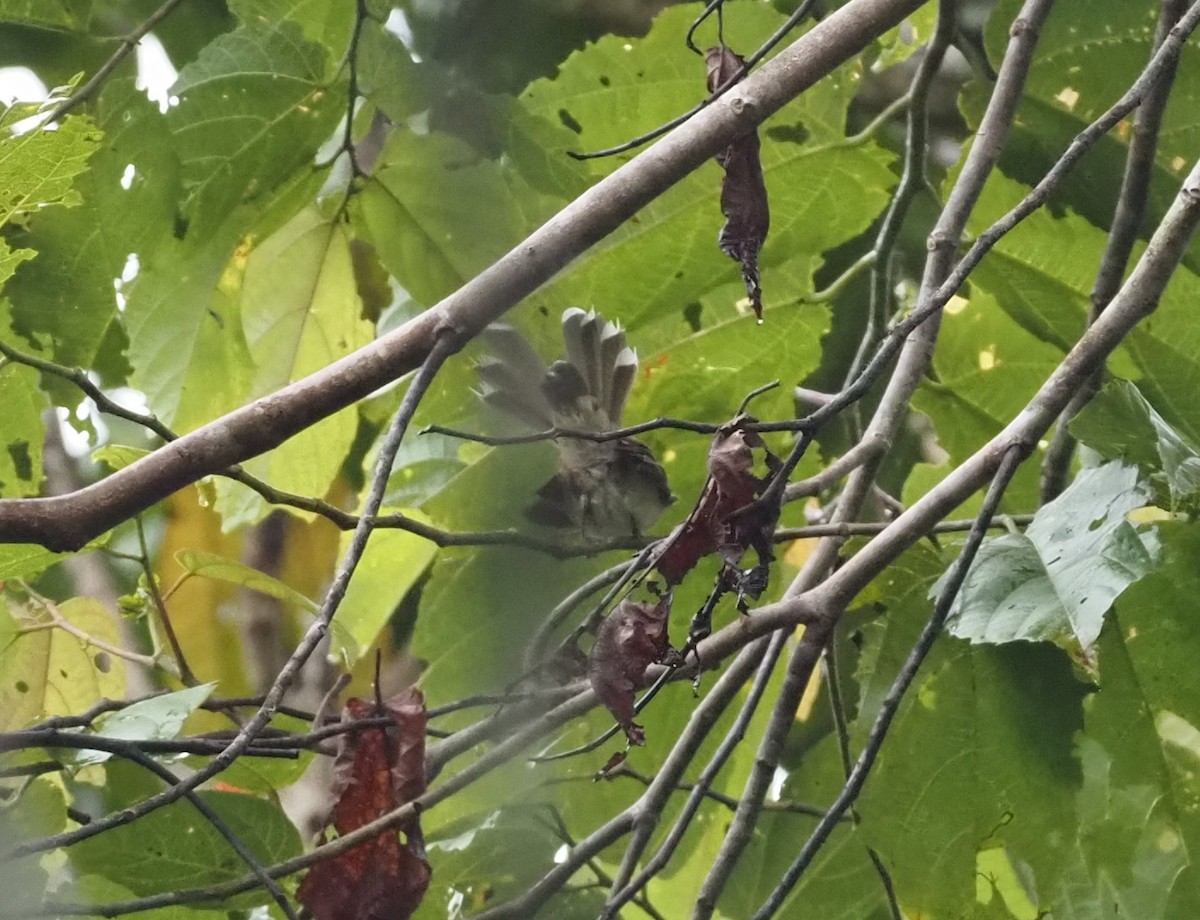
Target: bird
<point x="603" y="488"/>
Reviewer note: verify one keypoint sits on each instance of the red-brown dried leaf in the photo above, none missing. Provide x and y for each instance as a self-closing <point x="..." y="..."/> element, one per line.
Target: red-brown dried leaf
<point x="714" y="524"/>
<point x="376" y="771"/>
<point x="631" y="638"/>
<point x="611" y="765"/>
<point x="743" y="189"/>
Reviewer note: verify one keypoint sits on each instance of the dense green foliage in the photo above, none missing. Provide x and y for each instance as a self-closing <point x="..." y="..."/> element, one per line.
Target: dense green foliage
<point x="1047" y="760"/>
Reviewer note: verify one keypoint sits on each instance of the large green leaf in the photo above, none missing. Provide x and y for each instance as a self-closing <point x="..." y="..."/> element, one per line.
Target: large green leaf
<point x="1138" y="829"/>
<point x="127" y="207"/>
<point x="1056" y="581"/>
<point x="146" y="856"/>
<point x="253" y="108"/>
<point x="438" y="213"/>
<point x="977" y="763"/>
<point x="301" y="311"/>
<point x="1120" y="423"/>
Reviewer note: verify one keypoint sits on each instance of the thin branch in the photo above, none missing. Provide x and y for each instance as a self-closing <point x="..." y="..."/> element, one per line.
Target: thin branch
<point x="61" y="738"/>
<point x="58" y="621"/>
<point x="784" y="806"/>
<point x="443" y="347"/>
<point x="513" y="744"/>
<point x="837" y="706"/>
<point x="1127" y="219"/>
<point x="160" y="605"/>
<point x="913" y="179"/>
<point x="128" y="43"/>
<point x="858" y="776"/>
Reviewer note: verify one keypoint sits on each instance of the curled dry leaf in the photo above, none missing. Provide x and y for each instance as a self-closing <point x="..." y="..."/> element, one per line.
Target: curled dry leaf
<point x="631" y="638"/>
<point x="376" y="770"/>
<point x="743" y="190"/>
<point x="725" y="519"/>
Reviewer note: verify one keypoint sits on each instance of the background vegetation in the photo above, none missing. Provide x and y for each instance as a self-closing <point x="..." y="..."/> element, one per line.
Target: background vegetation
<point x="221" y="314"/>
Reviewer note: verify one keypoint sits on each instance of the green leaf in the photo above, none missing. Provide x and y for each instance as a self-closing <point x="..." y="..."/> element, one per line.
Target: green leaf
<point x="39" y="168"/>
<point x="1056" y="581"/>
<point x="324" y="22"/>
<point x="212" y="565"/>
<point x="45" y="671"/>
<point x="53" y="14"/>
<point x="301" y="311"/>
<point x="423" y="211"/>
<point x="127" y="207"/>
<point x="1120" y="423"/>
<point x="21" y="429"/>
<point x="987" y="368"/>
<point x="387" y="74"/>
<point x="38" y="810"/>
<point x="146" y="857"/>
<point x="254" y="107"/>
<point x="159" y="718"/>
<point x="393" y="563"/>
<point x="1138" y="826"/>
<point x="26" y="559"/>
<point x="978" y="757"/>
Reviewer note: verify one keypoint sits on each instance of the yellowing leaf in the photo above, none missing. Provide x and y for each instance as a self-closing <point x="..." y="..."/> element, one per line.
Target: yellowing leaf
<point x="46" y="671"/>
<point x="300" y="312"/>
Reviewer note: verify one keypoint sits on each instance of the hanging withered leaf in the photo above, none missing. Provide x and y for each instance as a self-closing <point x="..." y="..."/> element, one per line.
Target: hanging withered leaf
<point x="377" y="770"/>
<point x="631" y="638"/>
<point x="725" y="518"/>
<point x="743" y="191"/>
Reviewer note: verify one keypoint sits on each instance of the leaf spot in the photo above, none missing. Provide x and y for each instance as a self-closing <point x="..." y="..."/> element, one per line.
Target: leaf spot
<point x="569" y="121"/>
<point x="1068" y="97"/>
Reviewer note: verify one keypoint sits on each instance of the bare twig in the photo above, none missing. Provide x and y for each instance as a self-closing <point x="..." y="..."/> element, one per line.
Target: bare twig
<point x="837" y="706"/>
<point x="58" y="621"/>
<point x="912" y="180"/>
<point x="160" y="607"/>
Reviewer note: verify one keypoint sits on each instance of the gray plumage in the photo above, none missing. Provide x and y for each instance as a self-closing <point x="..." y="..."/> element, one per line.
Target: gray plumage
<point x="606" y="488"/>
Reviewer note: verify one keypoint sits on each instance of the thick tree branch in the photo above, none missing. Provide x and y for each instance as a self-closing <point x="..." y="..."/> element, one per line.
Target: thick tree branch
<point x="68" y="522"/>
